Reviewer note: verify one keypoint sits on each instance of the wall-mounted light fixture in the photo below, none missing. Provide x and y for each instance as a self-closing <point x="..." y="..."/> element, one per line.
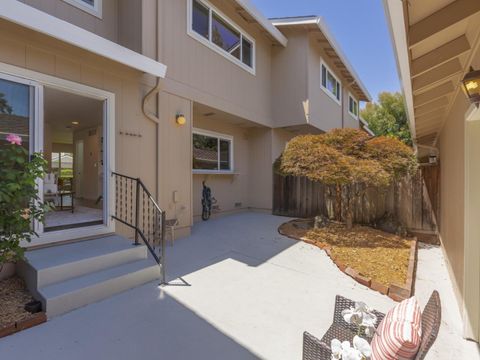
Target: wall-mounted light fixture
<point x="180" y="119"/>
<point x="471" y="85"/>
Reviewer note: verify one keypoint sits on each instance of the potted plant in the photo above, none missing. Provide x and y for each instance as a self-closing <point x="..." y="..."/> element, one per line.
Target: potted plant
<point x="20" y="203"/>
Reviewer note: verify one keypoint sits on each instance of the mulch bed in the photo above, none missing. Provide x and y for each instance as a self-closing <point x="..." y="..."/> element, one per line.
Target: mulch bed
<point x="13" y="316"/>
<point x="382" y="261"/>
<point x="13" y="297"/>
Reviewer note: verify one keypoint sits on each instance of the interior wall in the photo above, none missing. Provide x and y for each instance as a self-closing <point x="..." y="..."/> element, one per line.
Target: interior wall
<point x="92" y="168"/>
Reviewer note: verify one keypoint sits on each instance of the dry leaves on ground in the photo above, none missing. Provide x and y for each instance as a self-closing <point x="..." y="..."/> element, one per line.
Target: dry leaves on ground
<point x="378" y="255"/>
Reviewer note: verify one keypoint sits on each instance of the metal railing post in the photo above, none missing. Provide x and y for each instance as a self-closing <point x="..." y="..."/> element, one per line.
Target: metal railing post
<point x="137" y="207"/>
<point x="162" y="246"/>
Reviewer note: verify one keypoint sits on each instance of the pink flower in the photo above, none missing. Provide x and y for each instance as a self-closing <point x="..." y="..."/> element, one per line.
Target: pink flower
<point x="14" y="139"/>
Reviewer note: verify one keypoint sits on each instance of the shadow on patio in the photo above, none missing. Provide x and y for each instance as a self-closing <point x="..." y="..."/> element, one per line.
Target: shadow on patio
<point x="143" y="323"/>
<point x="250" y="238"/>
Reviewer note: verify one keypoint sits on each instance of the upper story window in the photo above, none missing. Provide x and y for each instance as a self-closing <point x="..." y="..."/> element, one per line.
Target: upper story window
<point x="330" y="83"/>
<point x="212" y="152"/>
<point x="352" y="106"/>
<point x="212" y="28"/>
<point x="93" y="7"/>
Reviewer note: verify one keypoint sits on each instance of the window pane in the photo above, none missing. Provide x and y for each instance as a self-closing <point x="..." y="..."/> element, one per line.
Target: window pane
<point x="89" y="2"/>
<point x="225" y="36"/>
<point x="247" y="52"/>
<point x="66" y="163"/>
<point x="324" y="76"/>
<point x="14" y="111"/>
<point x="225" y="155"/>
<point x="200" y="22"/>
<point x="331" y="84"/>
<point x="55" y="160"/>
<point x="205" y="152"/>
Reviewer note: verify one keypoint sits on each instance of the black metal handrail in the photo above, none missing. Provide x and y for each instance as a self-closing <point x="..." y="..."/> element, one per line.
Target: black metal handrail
<point x="136" y="208"/>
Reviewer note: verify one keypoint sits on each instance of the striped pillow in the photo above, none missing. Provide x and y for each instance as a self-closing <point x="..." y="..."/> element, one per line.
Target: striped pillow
<point x="399" y="334"/>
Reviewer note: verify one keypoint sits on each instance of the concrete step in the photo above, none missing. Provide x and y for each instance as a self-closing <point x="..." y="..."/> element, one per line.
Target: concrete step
<point x="59" y="263"/>
<point x="71" y="294"/>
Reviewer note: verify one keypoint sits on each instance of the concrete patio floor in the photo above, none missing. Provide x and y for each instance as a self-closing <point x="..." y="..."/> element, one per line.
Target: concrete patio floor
<point x="238" y="290"/>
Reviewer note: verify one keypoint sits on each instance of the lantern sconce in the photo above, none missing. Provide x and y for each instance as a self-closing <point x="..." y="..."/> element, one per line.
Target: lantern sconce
<point x="180" y="119"/>
<point x="471" y="85"/>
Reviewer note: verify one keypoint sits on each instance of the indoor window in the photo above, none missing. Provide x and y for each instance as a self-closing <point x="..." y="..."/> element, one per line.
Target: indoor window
<point x="330" y="84"/>
<point x="62" y="164"/>
<point x="352" y="106"/>
<point x="212" y="152"/>
<point x="216" y="31"/>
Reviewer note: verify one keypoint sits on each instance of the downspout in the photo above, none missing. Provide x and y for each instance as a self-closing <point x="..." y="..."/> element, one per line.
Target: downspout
<point x="154" y="117"/>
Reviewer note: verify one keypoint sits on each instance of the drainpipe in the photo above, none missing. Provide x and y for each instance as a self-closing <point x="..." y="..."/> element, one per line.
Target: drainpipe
<point x="150" y="95"/>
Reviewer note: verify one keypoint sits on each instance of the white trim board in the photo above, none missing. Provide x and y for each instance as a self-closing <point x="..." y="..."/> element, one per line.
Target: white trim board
<point x="31" y="18"/>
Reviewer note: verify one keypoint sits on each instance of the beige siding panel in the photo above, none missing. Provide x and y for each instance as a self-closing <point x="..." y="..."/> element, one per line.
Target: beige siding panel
<point x="260" y="180"/>
<point x="190" y="65"/>
<point x="105" y="27"/>
<point x="325" y="113"/>
<point x="452" y="215"/>
<point x="289" y="81"/>
<point x="175" y="159"/>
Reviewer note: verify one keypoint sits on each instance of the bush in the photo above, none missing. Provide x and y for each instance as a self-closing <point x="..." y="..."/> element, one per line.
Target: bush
<point x="20" y="204"/>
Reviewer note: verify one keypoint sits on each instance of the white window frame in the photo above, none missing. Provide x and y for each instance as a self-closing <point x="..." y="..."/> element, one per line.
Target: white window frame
<point x="208" y="42"/>
<point x="95" y="10"/>
<point x="350" y="96"/>
<point x="219" y="136"/>
<point x="40" y="80"/>
<point x="325" y="89"/>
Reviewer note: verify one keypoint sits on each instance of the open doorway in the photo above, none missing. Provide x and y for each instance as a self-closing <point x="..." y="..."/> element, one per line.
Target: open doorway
<point x="74" y="149"/>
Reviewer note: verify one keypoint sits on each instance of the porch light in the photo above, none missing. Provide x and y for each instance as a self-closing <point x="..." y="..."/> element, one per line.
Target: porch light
<point x="471" y="84"/>
<point x="180" y="119"/>
<point x="75" y="123"/>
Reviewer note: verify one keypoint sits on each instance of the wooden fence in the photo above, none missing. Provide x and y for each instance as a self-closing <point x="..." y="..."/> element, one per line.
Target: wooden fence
<point x="407" y="200"/>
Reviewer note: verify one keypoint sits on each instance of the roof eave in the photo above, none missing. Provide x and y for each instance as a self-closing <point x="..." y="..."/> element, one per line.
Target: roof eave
<point x="322" y="26"/>
<point x="263" y="21"/>
<point x="396" y="23"/>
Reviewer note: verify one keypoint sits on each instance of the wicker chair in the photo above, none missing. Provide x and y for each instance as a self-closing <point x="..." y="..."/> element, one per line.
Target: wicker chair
<point x="315" y="349"/>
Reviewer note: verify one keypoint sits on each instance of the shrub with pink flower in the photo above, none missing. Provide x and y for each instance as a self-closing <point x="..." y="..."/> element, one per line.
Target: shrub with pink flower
<point x="14" y="139"/>
<point x="20" y="203"/>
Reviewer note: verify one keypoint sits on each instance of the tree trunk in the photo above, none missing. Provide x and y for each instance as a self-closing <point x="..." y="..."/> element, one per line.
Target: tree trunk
<point x="348" y="207"/>
<point x="338" y="207"/>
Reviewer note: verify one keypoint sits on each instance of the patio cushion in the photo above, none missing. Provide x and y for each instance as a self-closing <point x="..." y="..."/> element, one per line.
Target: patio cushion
<point x="399" y="334"/>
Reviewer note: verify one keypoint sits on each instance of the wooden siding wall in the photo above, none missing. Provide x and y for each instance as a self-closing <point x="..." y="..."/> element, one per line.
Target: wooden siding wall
<point x="407" y="200"/>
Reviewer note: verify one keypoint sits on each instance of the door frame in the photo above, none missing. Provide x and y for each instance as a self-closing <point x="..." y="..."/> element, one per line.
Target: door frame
<point x="40" y="81"/>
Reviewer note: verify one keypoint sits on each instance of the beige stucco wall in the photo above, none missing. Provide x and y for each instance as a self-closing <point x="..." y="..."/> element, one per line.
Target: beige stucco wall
<point x="198" y="73"/>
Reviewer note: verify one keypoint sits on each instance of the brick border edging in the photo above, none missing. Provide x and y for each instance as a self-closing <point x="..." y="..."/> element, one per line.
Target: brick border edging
<point x="395" y="291"/>
<point x="34" y="320"/>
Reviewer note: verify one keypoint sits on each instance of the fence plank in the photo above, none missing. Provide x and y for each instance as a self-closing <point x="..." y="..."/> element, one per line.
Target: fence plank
<point x="413" y="201"/>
